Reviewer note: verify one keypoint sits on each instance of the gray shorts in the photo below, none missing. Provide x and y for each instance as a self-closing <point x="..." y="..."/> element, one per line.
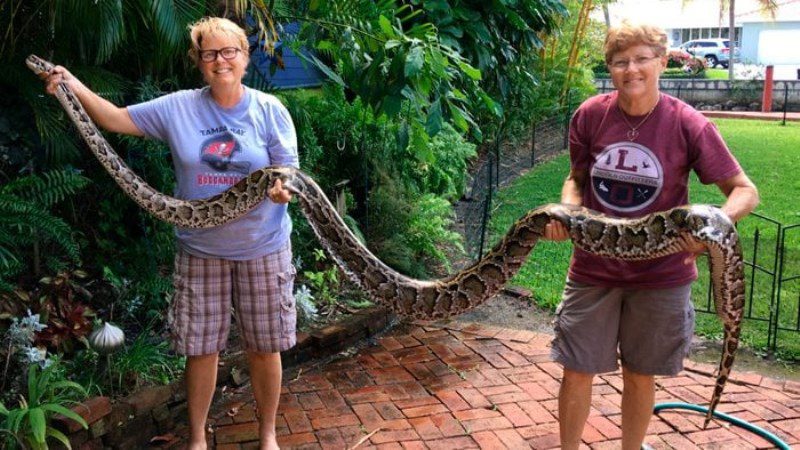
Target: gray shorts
<point x="649" y="330"/>
<point x="259" y="290"/>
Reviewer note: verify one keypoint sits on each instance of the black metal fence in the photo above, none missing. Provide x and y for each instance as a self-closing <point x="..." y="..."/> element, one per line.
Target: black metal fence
<point x="500" y="163"/>
<point x="787" y="296"/>
<point x="772" y="271"/>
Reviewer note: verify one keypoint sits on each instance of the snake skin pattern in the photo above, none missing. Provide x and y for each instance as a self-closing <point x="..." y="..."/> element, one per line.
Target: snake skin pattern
<point x="656" y="235"/>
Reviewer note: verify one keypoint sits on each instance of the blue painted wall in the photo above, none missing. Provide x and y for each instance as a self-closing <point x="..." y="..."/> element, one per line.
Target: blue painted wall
<point x="296" y="72"/>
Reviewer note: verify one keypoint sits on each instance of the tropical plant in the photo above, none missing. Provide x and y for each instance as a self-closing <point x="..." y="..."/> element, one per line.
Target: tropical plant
<point x="324" y="281"/>
<point x="385" y="54"/>
<point x="429" y="227"/>
<point x="68" y="319"/>
<point x="306" y="306"/>
<point x="28" y="227"/>
<point x="411" y="229"/>
<point x="496" y="36"/>
<point x="28" y="423"/>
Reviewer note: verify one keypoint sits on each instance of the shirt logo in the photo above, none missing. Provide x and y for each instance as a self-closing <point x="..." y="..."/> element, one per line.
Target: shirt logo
<point x="626" y="177"/>
<point x="218" y="152"/>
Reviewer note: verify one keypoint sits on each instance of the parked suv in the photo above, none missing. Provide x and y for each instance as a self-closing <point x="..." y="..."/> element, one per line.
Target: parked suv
<point x="714" y="51"/>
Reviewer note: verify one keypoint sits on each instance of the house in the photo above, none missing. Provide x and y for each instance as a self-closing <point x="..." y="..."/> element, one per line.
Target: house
<point x="295" y="73"/>
<point x="762" y="38"/>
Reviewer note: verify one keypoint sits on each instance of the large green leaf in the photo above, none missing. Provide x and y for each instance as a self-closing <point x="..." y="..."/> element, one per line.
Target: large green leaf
<point x="38" y="424"/>
<point x="59" y="436"/>
<point x="434" y="122"/>
<point x="66" y="412"/>
<point x="15" y="418"/>
<point x="472" y="72"/>
<point x="386" y="26"/>
<point x="414" y="61"/>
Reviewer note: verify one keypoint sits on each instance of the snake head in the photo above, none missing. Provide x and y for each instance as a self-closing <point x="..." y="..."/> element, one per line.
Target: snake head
<point x="709" y="223"/>
<point x="564" y="212"/>
<point x="38" y="65"/>
<point x="289" y="176"/>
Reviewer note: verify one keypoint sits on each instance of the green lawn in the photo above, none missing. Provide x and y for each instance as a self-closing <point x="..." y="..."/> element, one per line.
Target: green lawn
<point x="717" y="74"/>
<point x="769" y="152"/>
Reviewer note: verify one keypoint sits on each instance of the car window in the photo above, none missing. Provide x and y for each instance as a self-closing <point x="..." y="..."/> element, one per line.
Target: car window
<point x="726" y="43"/>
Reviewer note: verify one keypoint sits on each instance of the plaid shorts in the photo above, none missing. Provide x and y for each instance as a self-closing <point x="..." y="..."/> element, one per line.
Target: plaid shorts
<point x="260" y="291"/>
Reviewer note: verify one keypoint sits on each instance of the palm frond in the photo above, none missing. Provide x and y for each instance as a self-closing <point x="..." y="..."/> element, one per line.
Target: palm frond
<point x="105" y="83"/>
<point x="29" y="219"/>
<point x="48" y="188"/>
<point x="8" y="261"/>
<point x="97" y="27"/>
<point x="166" y="22"/>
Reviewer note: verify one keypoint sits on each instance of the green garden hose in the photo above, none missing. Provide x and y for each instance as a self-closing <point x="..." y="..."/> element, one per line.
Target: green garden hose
<point x="738" y="422"/>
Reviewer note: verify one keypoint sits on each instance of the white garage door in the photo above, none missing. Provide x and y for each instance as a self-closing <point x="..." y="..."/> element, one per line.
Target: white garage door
<point x="779" y="47"/>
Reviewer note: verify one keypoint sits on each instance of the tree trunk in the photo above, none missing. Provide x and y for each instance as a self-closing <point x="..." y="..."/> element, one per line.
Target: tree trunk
<point x="580" y="27"/>
<point x="731" y="36"/>
<point x="606" y="15"/>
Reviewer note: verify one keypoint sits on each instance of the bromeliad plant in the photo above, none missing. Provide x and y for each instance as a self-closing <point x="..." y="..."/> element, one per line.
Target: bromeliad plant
<point x="69" y="321"/>
<point x="28" y="424"/>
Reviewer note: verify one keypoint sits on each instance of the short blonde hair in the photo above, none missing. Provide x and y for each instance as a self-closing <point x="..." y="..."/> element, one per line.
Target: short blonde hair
<point x="215" y="25"/>
<point x="627" y="35"/>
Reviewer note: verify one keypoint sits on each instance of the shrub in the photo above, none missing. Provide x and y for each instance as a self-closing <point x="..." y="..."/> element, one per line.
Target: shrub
<point x="681" y="73"/>
<point x="695" y="66"/>
<point x="677" y="59"/>
<point x="411" y="229"/>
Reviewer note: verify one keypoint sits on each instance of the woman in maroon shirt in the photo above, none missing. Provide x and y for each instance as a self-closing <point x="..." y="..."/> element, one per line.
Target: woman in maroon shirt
<point x="631" y="152"/>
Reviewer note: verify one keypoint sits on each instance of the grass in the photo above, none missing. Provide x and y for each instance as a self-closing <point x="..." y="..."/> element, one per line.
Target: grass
<point x="768" y="152"/>
<point x="717" y="74"/>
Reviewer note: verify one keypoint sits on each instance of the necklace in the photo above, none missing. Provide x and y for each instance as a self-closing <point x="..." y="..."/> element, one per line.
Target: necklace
<point x="633" y="133"/>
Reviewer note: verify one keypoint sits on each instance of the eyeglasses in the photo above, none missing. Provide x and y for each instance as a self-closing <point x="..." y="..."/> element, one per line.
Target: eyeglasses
<point x="639" y="61"/>
<point x="227" y="53"/>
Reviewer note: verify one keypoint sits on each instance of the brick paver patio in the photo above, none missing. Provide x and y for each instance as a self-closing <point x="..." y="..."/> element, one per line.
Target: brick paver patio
<point x="460" y="385"/>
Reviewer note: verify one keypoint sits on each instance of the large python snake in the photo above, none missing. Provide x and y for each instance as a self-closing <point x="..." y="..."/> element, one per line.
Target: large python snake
<point x="652" y="236"/>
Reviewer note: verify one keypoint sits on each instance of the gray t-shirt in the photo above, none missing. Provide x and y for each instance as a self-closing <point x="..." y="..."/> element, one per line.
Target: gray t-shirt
<point x="215" y="147"/>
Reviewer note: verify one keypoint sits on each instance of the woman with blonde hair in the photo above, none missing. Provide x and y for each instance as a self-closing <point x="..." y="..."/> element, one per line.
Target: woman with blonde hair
<point x="218" y="135"/>
<point x="631" y="151"/>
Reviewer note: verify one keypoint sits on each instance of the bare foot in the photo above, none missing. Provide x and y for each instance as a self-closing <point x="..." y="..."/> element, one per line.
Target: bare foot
<point x="269" y="442"/>
<point x="197" y="446"/>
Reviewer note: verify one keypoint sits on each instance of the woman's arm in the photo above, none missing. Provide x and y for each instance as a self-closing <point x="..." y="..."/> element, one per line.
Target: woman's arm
<point x="572" y="191"/>
<point x="104" y="113"/>
<point x="742" y="196"/>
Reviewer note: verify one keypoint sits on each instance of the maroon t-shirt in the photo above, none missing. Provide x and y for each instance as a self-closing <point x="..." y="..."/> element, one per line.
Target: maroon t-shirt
<point x="633" y="179"/>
